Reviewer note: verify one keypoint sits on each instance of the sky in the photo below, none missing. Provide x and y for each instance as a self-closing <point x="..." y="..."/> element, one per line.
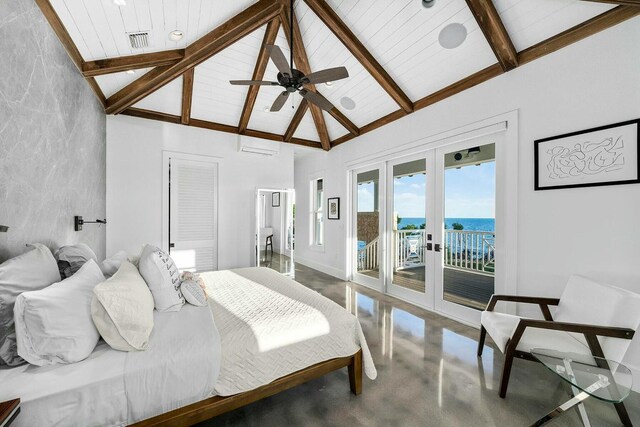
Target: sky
<point x="469" y="193"/>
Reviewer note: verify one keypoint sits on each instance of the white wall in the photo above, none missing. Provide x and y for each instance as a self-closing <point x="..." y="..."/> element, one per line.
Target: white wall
<point x="134" y="184"/>
<point x="591" y="231"/>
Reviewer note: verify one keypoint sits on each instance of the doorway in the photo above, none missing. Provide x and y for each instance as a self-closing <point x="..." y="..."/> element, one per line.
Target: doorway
<point x="426" y="226"/>
<point x="275" y="230"/>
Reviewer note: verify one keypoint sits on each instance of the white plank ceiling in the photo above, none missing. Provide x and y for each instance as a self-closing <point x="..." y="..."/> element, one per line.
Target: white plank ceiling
<point x="400" y="34"/>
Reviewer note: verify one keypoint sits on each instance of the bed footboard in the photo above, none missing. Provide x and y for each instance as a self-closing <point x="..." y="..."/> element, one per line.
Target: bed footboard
<point x="217" y="405"/>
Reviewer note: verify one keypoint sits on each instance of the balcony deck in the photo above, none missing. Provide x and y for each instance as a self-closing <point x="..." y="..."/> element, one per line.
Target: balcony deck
<point x="461" y="287"/>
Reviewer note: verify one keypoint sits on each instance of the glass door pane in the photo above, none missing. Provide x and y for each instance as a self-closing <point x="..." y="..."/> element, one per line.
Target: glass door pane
<point x="367" y="228"/>
<point x="408" y="225"/>
<point x="468" y="235"/>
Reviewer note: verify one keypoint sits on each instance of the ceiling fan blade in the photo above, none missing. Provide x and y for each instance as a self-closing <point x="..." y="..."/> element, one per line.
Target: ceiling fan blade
<point x="317" y="99"/>
<point x="280" y="101"/>
<point x="328" y="75"/>
<point x="253" y="83"/>
<point x="278" y="58"/>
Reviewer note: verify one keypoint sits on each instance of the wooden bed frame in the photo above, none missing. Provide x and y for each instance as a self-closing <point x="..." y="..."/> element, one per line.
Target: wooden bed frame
<point x="217" y="405"/>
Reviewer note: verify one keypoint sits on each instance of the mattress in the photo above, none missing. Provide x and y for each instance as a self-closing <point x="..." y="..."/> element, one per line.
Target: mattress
<point x="114" y="388"/>
<point x="272" y="326"/>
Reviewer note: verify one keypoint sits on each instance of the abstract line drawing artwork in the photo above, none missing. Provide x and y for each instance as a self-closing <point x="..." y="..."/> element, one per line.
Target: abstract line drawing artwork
<point x="605" y="155"/>
<point x="587" y="158"/>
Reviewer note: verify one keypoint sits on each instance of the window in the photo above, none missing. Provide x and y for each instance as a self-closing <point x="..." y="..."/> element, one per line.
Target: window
<point x="317" y="214"/>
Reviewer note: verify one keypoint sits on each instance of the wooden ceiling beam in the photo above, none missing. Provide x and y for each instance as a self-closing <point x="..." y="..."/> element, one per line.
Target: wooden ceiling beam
<point x="302" y="63"/>
<point x="357" y="49"/>
<point x="199" y="51"/>
<point x="494" y="31"/>
<point x="132" y="62"/>
<point x="187" y="95"/>
<point x="258" y="73"/>
<point x="344" y="121"/>
<point x="594" y="25"/>
<point x="204" y="124"/>
<point x="297" y="118"/>
<point x="634" y="3"/>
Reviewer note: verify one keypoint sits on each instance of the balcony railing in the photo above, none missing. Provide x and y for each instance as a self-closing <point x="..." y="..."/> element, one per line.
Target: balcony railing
<point x="465" y="250"/>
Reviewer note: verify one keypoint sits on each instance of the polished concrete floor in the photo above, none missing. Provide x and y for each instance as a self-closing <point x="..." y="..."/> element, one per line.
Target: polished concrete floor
<point x="428" y="375"/>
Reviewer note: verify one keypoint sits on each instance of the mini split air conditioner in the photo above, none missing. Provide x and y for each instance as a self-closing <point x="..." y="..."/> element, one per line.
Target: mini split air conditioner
<point x="258" y="146"/>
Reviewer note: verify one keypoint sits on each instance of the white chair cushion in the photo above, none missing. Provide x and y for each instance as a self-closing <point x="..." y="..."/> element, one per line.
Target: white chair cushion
<point x="501" y="327"/>
<point x="587" y="301"/>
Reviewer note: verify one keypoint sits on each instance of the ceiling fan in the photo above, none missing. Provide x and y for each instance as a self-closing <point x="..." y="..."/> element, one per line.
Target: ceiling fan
<point x="293" y="80"/>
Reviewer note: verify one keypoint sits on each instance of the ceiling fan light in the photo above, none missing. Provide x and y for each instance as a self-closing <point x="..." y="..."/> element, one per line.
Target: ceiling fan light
<point x="328" y="84"/>
<point x="428" y="3"/>
<point x="267" y="109"/>
<point x="452" y="36"/>
<point x="176" y="35"/>
<point x="347" y="103"/>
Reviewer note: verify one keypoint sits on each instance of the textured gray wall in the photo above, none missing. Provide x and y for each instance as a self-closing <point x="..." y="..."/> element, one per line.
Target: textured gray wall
<point x="52" y="138"/>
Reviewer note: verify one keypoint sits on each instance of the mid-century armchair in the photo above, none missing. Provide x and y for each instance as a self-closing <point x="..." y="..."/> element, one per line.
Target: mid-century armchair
<point x="591" y="318"/>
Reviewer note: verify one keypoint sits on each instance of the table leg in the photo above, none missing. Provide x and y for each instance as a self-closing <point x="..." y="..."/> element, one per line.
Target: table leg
<point x="576" y="400"/>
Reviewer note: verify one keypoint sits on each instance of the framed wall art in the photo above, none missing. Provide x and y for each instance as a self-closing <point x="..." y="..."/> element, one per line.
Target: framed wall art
<point x="605" y="155"/>
<point x="333" y="208"/>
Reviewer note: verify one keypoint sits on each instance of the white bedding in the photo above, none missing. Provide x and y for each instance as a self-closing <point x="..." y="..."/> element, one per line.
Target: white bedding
<point x="114" y="388"/>
<point x="272" y="326"/>
<point x="266" y="326"/>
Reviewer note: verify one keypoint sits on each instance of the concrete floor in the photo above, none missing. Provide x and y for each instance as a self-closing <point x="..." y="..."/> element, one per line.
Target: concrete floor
<point x="428" y="375"/>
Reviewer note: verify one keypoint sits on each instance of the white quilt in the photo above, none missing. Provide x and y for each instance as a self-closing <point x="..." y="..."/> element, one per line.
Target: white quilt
<point x="271" y="326"/>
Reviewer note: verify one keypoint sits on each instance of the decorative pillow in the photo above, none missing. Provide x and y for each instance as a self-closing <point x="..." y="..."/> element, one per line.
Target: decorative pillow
<point x="53" y="325"/>
<point x="162" y="276"/>
<point x="70" y="258"/>
<point x="122" y="310"/>
<point x="193" y="293"/>
<point x="110" y="265"/>
<point x="33" y="270"/>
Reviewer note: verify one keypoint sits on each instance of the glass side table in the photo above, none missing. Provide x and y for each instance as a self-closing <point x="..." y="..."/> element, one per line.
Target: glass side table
<point x="588" y="376"/>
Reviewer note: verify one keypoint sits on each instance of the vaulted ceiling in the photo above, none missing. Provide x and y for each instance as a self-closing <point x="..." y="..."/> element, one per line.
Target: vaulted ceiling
<point x="390" y="48"/>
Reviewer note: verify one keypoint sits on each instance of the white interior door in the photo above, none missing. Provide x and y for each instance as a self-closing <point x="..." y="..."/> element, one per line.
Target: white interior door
<point x="409" y="228"/>
<point x="193" y="213"/>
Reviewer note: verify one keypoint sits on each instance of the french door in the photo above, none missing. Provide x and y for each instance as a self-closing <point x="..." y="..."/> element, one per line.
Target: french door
<point x="424" y="228"/>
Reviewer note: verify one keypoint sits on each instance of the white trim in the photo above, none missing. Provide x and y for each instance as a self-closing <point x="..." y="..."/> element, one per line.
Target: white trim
<point x="331" y="271"/>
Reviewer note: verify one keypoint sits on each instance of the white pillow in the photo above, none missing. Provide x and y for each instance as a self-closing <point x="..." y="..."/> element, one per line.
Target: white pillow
<point x="122" y="310"/>
<point x="31" y="271"/>
<point x="193" y="293"/>
<point x="162" y="277"/>
<point x="54" y="325"/>
<point x="71" y="257"/>
<point x="110" y="265"/>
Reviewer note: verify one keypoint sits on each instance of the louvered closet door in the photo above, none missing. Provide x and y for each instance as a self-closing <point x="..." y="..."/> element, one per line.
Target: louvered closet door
<point x="193" y="210"/>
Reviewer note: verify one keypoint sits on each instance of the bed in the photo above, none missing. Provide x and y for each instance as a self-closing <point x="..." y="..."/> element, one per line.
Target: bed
<point x="260" y="334"/>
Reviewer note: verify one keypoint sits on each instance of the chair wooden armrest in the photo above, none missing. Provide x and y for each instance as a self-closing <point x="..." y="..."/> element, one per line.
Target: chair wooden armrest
<point x="581" y="328"/>
<point x="543" y="302"/>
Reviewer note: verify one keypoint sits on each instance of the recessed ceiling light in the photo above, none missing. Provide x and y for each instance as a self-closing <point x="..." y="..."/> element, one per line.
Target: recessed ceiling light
<point x="452" y="36"/>
<point x="120" y="2"/>
<point x="428" y="3"/>
<point x="347" y="103"/>
<point x="176" y="35"/>
<point x="131" y="71"/>
<point x="328" y="84"/>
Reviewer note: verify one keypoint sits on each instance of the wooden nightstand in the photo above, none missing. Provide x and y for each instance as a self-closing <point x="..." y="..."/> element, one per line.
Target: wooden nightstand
<point x="9" y="410"/>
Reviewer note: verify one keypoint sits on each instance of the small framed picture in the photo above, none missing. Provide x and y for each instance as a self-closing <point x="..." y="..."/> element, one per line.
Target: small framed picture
<point x="275" y="200"/>
<point x="606" y="155"/>
<point x="333" y="208"/>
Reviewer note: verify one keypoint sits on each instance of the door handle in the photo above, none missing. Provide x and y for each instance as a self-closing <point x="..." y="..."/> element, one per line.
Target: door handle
<point x="437" y="248"/>
<point x="172" y="245"/>
<point x="428" y="246"/>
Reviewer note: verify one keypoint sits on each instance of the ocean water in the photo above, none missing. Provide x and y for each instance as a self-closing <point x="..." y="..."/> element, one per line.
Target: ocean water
<point x="471" y="224"/>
